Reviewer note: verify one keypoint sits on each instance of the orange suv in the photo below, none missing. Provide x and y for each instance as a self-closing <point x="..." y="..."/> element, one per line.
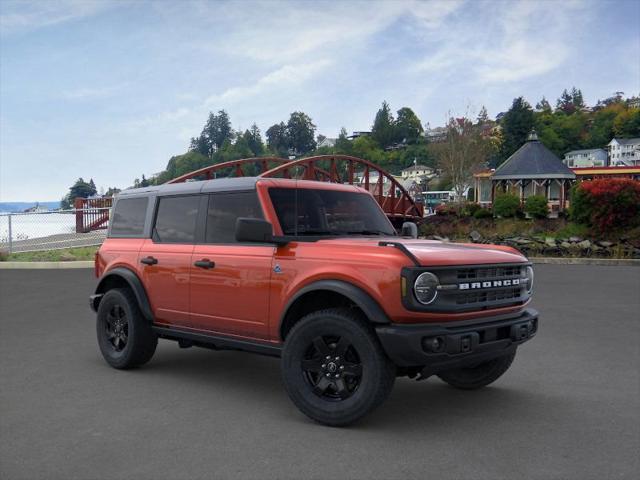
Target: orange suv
<point x="313" y="273"/>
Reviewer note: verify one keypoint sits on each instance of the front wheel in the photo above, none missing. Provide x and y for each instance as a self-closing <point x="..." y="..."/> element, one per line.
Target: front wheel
<point x="334" y="368"/>
<point x="478" y="376"/>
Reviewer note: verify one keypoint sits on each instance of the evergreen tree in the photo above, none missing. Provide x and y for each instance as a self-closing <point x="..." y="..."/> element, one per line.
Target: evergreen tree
<point x="576" y="99"/>
<point x="382" y="130"/>
<point x="543" y="106"/>
<point x="343" y="144"/>
<point x="408" y="126"/>
<point x="517" y="123"/>
<point x="483" y="116"/>
<point x="565" y="103"/>
<point x="253" y="138"/>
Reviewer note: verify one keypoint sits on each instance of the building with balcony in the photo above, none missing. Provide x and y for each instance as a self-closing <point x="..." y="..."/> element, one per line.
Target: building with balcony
<point x="594" y="157"/>
<point x="624" y="152"/>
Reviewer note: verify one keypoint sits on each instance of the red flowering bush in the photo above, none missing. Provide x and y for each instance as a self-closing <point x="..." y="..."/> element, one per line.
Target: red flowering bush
<point x="607" y="204"/>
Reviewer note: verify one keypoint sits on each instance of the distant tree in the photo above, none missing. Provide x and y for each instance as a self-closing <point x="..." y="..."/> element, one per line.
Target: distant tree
<point x="301" y="133"/>
<point x="111" y="191"/>
<point x="483" y="116"/>
<point x="627" y="124"/>
<point x="253" y="138"/>
<point x="277" y="139"/>
<point x="383" y="130"/>
<point x="200" y="145"/>
<point x="543" y="106"/>
<point x="216" y="131"/>
<point x="516" y="126"/>
<point x="408" y="126"/>
<point x="343" y="144"/>
<point x="463" y="151"/>
<point x="577" y="99"/>
<point x="565" y="103"/>
<point x="80" y="189"/>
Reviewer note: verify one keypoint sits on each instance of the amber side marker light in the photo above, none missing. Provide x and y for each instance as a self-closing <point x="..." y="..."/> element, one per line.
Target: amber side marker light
<point x="403" y="286"/>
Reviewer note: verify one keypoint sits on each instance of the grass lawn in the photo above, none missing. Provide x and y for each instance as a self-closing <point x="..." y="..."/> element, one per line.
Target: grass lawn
<point x="64" y="255"/>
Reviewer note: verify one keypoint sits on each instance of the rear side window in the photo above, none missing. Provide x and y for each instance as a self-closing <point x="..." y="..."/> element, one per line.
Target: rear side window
<point x="176" y="219"/>
<point x="224" y="209"/>
<point x="128" y="217"/>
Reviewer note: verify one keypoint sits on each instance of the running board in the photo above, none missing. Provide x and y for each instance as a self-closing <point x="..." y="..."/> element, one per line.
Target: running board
<point x="218" y="342"/>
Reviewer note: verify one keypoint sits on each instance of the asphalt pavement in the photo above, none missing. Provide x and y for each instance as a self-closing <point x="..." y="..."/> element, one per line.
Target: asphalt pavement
<point x="568" y="408"/>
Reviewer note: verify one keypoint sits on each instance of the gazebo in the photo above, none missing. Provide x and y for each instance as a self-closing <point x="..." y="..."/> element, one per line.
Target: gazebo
<point x="532" y="170"/>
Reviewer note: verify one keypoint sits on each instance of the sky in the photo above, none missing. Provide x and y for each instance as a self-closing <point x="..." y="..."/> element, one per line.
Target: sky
<point x="110" y="90"/>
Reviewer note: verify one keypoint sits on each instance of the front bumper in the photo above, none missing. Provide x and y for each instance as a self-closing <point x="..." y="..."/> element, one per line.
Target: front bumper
<point x="438" y="347"/>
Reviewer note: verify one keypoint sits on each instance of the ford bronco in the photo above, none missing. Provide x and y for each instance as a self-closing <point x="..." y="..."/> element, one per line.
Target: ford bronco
<point x="313" y="273"/>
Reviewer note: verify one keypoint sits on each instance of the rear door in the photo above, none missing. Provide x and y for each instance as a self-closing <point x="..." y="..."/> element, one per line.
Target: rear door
<point x="230" y="281"/>
<point x="165" y="259"/>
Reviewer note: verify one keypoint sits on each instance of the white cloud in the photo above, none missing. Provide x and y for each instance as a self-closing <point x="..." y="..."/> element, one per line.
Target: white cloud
<point x="23" y="15"/>
<point x="285" y="77"/>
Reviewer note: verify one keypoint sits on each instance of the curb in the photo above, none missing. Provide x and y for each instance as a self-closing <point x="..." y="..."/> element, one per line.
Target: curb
<point x="45" y="265"/>
<point x="612" y="262"/>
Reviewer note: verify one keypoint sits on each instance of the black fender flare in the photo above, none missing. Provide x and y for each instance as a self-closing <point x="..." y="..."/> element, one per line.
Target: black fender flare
<point x="370" y="307"/>
<point x="134" y="283"/>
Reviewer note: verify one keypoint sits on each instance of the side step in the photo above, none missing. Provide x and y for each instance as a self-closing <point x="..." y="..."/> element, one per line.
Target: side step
<point x="217" y="342"/>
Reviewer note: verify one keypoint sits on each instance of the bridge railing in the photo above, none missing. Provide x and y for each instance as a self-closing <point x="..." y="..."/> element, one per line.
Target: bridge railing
<point x="92" y="213"/>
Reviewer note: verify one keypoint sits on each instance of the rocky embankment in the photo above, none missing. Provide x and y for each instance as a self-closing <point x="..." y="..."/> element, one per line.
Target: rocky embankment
<point x="558" y="247"/>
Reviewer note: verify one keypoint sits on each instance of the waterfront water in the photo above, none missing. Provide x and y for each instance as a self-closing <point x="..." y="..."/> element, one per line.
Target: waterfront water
<point x="36" y="225"/>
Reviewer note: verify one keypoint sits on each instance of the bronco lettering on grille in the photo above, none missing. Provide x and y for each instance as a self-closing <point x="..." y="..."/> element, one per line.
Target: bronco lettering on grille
<point x="491" y="284"/>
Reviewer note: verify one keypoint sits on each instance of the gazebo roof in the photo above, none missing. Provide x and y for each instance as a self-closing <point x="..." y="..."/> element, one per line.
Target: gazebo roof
<point x="532" y="160"/>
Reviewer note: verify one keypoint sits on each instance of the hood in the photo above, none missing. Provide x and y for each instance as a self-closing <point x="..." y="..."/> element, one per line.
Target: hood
<point x="435" y="253"/>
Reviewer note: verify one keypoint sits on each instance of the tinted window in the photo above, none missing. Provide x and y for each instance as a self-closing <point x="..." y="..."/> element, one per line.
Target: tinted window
<point x="328" y="212"/>
<point x="128" y="216"/>
<point x="176" y="219"/>
<point x="224" y="210"/>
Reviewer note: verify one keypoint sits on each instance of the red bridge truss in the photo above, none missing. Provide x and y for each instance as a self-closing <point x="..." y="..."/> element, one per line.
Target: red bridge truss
<point x="389" y="193"/>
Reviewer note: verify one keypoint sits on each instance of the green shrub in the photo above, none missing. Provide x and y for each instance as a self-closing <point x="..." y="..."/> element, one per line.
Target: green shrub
<point x="536" y="206"/>
<point x="483" y="213"/>
<point x="506" y="205"/>
<point x="469" y="209"/>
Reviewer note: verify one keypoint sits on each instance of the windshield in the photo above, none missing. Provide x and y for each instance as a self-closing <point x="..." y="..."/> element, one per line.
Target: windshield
<point x="328" y="212"/>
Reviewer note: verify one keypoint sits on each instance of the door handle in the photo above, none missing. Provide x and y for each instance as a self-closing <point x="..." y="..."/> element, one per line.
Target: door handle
<point x="149" y="260"/>
<point x="205" y="263"/>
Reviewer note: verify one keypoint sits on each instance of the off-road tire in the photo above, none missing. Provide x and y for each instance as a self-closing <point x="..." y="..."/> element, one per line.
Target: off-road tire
<point x="141" y="341"/>
<point x="359" y="395"/>
<point x="480" y="375"/>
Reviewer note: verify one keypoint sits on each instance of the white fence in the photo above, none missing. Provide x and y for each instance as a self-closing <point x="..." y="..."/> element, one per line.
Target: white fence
<point x="28" y="232"/>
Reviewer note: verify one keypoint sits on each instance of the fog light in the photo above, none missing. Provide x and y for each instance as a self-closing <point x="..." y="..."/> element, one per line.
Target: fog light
<point x="433" y="344"/>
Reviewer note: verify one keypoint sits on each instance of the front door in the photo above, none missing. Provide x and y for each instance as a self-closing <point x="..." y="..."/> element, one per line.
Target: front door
<point x="165" y="259"/>
<point x="230" y="281"/>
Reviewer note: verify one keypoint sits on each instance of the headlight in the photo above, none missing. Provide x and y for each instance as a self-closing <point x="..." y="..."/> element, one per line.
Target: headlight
<point x="425" y="288"/>
<point x="529" y="274"/>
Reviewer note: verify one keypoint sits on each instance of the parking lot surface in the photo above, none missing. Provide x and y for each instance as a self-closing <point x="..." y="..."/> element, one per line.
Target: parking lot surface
<point x="568" y="408"/>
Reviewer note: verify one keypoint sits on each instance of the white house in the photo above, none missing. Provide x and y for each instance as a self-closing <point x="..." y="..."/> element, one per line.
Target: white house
<point x="624" y="152"/>
<point x="594" y="157"/>
<point x="417" y="172"/>
<point x="327" y="142"/>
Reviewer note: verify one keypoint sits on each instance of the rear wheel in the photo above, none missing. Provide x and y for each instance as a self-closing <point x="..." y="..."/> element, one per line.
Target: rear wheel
<point x="124" y="335"/>
<point x="334" y="368"/>
<point x="480" y="375"/>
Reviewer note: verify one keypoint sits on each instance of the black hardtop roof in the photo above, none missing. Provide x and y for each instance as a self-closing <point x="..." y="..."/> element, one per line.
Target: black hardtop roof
<point x="204" y="186"/>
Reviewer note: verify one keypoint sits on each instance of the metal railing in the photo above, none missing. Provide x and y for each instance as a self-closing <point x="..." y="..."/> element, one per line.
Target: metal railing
<point x="33" y="231"/>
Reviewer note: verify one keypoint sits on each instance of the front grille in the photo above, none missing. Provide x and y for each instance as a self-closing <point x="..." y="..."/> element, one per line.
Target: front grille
<point x="485" y="297"/>
<point x="485" y="273"/>
<point x="470" y="288"/>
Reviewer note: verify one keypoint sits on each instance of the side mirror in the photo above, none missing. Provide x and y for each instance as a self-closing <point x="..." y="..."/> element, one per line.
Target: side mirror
<point x="256" y="230"/>
<point x="409" y="229"/>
